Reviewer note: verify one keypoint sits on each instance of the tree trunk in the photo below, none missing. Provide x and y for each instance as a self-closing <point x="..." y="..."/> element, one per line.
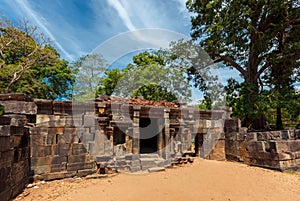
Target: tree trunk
<point x="279" y="125"/>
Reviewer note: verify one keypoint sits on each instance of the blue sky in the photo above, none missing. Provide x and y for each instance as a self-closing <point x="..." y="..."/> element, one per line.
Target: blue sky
<point x="79" y="27"/>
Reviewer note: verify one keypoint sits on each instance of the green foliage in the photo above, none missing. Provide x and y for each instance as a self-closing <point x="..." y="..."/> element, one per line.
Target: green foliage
<point x="32" y="68"/>
<point x="89" y="72"/>
<point x="199" y="67"/>
<point x="1" y="109"/>
<point x="267" y="103"/>
<point x="155" y="92"/>
<point x="255" y="38"/>
<point x="109" y="82"/>
<point x="151" y="77"/>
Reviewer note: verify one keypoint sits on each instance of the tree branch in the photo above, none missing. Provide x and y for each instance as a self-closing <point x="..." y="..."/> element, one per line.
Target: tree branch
<point x="262" y="69"/>
<point x="232" y="63"/>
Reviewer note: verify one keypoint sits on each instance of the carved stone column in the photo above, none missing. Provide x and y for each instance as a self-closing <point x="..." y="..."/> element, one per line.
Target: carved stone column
<point x="172" y="134"/>
<point x="136" y="129"/>
<point x="128" y="140"/>
<point x="167" y="133"/>
<point x="110" y="131"/>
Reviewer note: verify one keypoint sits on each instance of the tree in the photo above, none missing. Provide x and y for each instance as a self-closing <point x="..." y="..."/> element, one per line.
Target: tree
<point x="29" y="67"/>
<point x="247" y="35"/>
<point x="199" y="68"/>
<point x="151" y="77"/>
<point x="109" y="82"/>
<point x="89" y="72"/>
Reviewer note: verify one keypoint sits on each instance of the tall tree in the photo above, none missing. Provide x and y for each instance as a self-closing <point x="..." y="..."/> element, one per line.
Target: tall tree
<point x="108" y="84"/>
<point x="151" y="77"/>
<point x="89" y="71"/>
<point x="30" y="67"/>
<point x="246" y="35"/>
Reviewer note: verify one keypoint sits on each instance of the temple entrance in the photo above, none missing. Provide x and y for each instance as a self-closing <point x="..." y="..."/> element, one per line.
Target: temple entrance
<point x="148" y="145"/>
<point x="148" y="142"/>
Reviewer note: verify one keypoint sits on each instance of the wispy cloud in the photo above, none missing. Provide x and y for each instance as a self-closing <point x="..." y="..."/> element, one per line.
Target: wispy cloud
<point x="122" y="13"/>
<point x="37" y="18"/>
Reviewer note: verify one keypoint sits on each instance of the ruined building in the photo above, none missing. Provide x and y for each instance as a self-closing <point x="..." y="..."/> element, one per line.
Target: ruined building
<point x="46" y="140"/>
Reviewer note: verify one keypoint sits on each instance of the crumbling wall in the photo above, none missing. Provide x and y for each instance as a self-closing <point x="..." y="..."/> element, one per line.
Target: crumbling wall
<point x="279" y="150"/>
<point x="46" y="140"/>
<point x="14" y="144"/>
<point x="56" y="149"/>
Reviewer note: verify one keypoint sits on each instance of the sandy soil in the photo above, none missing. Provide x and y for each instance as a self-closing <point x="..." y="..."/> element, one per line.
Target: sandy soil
<point x="202" y="180"/>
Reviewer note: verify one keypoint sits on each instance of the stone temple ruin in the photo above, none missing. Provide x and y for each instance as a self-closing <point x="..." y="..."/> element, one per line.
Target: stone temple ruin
<point x="46" y="140"/>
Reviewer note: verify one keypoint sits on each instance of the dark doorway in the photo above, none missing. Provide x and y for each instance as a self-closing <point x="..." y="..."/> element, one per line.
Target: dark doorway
<point x="148" y="145"/>
<point x="149" y="130"/>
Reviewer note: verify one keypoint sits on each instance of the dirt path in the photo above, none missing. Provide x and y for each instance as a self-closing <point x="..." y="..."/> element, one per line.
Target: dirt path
<point x="202" y="180"/>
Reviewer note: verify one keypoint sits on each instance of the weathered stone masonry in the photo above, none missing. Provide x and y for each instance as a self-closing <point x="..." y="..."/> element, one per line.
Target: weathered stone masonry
<point x="279" y="150"/>
<point x="45" y="140"/>
<point x="42" y="139"/>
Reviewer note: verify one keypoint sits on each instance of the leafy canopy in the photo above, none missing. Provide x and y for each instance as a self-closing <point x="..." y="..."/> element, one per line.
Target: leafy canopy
<point x="30" y="67"/>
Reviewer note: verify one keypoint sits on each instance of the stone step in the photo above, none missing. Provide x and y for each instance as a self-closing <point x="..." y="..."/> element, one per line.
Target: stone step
<point x="156" y="169"/>
<point x="149" y="156"/>
<point x="103" y="159"/>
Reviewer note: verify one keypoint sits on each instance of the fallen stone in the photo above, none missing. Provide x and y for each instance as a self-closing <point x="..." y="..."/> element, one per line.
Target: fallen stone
<point x="156" y="169"/>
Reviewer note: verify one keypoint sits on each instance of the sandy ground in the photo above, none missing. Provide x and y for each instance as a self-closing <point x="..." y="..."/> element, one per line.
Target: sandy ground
<point x="202" y="180"/>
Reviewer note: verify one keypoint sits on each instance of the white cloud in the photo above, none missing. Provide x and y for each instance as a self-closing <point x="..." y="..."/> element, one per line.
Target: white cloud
<point x="122" y="13"/>
<point x="37" y="19"/>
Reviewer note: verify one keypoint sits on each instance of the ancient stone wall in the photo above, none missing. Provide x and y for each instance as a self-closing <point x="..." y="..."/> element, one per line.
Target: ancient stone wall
<point x="46" y="140"/>
<point x="55" y="147"/>
<point x="14" y="144"/>
<point x="279" y="150"/>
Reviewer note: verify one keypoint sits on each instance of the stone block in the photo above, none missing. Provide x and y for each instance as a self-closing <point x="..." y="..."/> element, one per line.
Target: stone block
<point x="154" y="156"/>
<point x="57" y="175"/>
<point x="15" y="97"/>
<point x="78" y="149"/>
<point x="285" y="135"/>
<point x="40" y="169"/>
<point x="19" y="107"/>
<point x="6" y="157"/>
<point x="12" y="130"/>
<point x="19" y="187"/>
<point x="90" y="121"/>
<point x="251" y="136"/>
<point x="66" y="139"/>
<point x="58" y="167"/>
<point x="280" y="146"/>
<point x="81" y="166"/>
<point x="103" y="159"/>
<point x="156" y="169"/>
<point x="38" y="140"/>
<point x="44" y="106"/>
<point x="83" y="173"/>
<point x="87" y="137"/>
<point x="41" y="151"/>
<point x="5" y="120"/>
<point x="255" y="146"/>
<point x="39" y="131"/>
<point x="49" y="160"/>
<point x="45" y="120"/>
<point x="17" y="120"/>
<point x="62" y="149"/>
<point x="132" y="157"/>
<point x="62" y="107"/>
<point x="135" y="169"/>
<point x="83" y="158"/>
<point x="147" y="163"/>
<point x="5" y="143"/>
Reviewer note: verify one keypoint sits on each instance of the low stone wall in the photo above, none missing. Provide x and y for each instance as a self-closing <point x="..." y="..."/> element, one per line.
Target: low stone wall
<point x="56" y="150"/>
<point x="46" y="140"/>
<point x="14" y="145"/>
<point x="279" y="150"/>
